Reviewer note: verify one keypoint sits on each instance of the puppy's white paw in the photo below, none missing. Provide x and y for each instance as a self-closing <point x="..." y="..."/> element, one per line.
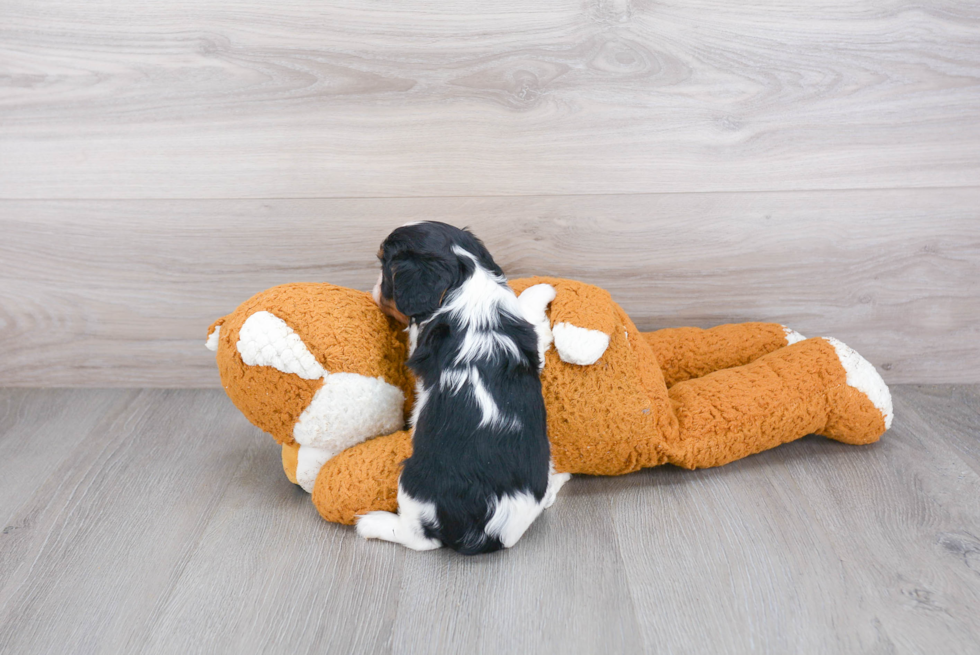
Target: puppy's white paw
<point x="577" y="345"/>
<point x="555" y="483"/>
<point x="395" y="528"/>
<point x="379" y="525"/>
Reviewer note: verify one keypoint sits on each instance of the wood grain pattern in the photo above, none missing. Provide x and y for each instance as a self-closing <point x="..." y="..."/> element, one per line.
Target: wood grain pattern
<point x="170" y="528"/>
<point x="117" y="293"/>
<point x="30" y="422"/>
<point x="214" y="99"/>
<point x="849" y="533"/>
<point x="109" y="531"/>
<point x="301" y="585"/>
<point x="956" y="411"/>
<point x="567" y="592"/>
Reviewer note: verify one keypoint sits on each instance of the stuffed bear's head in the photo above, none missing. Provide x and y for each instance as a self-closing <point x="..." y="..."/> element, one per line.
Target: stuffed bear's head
<point x="316" y="365"/>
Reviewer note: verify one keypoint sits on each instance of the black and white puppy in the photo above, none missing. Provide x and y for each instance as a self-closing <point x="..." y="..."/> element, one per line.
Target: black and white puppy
<point x="479" y="471"/>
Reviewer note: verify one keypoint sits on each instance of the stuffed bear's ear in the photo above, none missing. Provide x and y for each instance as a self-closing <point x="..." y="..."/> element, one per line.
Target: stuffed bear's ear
<point x="419" y="283"/>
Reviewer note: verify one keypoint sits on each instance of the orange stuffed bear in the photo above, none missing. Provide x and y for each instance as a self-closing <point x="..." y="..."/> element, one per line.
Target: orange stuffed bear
<point x="322" y="370"/>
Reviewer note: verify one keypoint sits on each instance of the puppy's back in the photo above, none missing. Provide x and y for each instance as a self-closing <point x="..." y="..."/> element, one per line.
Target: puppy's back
<point x="481" y="451"/>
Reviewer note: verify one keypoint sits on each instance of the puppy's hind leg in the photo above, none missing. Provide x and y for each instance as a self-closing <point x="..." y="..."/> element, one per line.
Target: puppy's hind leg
<point x="405" y="527"/>
<point x="380" y="525"/>
<point x="512" y="516"/>
<point x="555" y="482"/>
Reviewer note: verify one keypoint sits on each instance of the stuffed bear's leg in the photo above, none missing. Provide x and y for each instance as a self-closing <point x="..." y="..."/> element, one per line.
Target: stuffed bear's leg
<point x="364" y="478"/>
<point x="687" y="353"/>
<point x="815" y="386"/>
<point x="302" y="464"/>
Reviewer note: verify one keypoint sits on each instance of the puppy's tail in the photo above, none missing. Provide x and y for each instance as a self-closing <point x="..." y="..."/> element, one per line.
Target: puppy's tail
<point x="468" y="535"/>
<point x="475" y="542"/>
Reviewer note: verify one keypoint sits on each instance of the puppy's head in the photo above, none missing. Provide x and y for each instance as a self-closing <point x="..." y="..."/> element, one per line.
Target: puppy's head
<point x="421" y="263"/>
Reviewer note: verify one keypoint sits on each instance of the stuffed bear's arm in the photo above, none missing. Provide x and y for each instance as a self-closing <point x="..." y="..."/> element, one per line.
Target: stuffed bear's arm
<point x="689" y="352"/>
<point x="578" y="345"/>
<point x="362" y="479"/>
<point x="582" y="318"/>
<point x="534" y="303"/>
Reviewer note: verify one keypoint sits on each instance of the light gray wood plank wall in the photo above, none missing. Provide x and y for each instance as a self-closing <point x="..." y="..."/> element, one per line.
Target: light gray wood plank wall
<point x="219" y="99"/>
<point x="170" y="527"/>
<point x="117" y="293"/>
<point x="816" y="164"/>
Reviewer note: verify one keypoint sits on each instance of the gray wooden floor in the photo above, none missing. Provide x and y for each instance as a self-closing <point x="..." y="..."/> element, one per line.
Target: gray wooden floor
<point x="159" y="521"/>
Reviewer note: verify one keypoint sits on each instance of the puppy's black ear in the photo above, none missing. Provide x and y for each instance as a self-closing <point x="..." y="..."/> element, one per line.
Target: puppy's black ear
<point x="472" y="244"/>
<point x="419" y="284"/>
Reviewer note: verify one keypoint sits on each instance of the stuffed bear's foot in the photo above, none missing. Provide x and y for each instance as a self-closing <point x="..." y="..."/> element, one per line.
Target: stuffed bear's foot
<point x="688" y="353"/>
<point x="862" y="405"/>
<point x="792" y="336"/>
<point x="814" y="386"/>
<point x="302" y="464"/>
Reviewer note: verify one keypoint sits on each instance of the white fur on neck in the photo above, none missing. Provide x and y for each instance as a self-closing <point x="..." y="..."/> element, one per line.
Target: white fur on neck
<point x="480" y="344"/>
<point x="478" y="301"/>
<point x="413" y="337"/>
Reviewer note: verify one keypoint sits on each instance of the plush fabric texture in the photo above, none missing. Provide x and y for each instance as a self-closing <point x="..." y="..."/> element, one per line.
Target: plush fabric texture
<point x="687" y="353"/>
<point x="290" y="460"/>
<point x="342" y="328"/>
<point x="690" y="397"/>
<point x="362" y="479"/>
